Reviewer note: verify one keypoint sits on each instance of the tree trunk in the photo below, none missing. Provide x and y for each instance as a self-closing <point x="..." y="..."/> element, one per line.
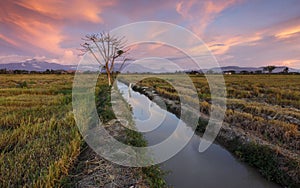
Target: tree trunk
<point x="109" y="79"/>
<point x="108" y="74"/>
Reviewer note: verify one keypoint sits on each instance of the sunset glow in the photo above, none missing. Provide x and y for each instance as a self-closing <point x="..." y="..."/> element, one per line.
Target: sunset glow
<point x="288" y="32"/>
<point x="238" y="32"/>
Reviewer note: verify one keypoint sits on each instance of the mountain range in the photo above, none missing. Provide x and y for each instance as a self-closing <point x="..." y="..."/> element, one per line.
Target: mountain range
<point x="37" y="65"/>
<point x="238" y="69"/>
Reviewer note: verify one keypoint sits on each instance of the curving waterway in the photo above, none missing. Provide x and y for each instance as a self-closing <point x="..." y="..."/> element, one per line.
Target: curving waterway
<point x="216" y="167"/>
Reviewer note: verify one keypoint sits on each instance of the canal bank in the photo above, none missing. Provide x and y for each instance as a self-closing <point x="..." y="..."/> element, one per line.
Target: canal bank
<point x="93" y="170"/>
<point x="189" y="168"/>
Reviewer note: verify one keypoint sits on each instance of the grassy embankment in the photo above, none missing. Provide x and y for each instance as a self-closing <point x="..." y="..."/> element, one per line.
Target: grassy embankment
<point x="152" y="174"/>
<point x="266" y="107"/>
<point x="39" y="141"/>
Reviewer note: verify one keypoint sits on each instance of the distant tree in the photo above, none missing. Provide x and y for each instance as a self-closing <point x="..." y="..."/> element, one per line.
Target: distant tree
<point x="3" y="71"/>
<point x="244" y="72"/>
<point x="286" y="70"/>
<point x="193" y="72"/>
<point x="34" y="72"/>
<point x="47" y="71"/>
<point x="20" y="71"/>
<point x="269" y="68"/>
<point x="107" y="48"/>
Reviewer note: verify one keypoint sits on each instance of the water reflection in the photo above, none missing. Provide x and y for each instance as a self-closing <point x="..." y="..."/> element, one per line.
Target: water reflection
<point x="215" y="167"/>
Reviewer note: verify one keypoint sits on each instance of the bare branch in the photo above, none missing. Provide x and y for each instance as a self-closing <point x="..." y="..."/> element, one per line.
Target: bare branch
<point x="107" y="46"/>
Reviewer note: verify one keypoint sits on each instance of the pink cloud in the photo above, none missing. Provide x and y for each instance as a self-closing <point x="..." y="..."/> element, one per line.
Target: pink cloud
<point x="201" y="13"/>
<point x="37" y="26"/>
<point x="70" y="10"/>
<point x="288" y="32"/>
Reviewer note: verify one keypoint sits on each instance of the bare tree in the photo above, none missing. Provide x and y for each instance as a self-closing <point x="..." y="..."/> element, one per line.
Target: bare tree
<point x="106" y="49"/>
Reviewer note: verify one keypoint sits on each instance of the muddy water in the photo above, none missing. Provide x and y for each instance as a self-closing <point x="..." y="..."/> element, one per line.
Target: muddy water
<point x="215" y="167"/>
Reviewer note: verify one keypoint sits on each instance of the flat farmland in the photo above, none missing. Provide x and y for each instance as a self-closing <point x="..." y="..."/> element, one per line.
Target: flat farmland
<point x="40" y="143"/>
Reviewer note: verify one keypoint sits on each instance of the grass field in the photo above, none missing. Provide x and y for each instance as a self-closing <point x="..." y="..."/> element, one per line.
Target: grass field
<point x="268" y="105"/>
<point x="40" y="144"/>
<point x="39" y="140"/>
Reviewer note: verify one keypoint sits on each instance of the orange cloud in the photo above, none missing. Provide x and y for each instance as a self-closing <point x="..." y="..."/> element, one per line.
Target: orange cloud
<point x="224" y="45"/>
<point x="288" y="62"/>
<point x="8" y="40"/>
<point x="283" y="31"/>
<point x="71" y="10"/>
<point x="183" y="8"/>
<point x="37" y="26"/>
<point x="42" y="35"/>
<point x="289" y="32"/>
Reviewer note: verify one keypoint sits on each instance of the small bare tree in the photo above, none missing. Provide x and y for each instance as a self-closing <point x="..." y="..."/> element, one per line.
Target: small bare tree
<point x="106" y="49"/>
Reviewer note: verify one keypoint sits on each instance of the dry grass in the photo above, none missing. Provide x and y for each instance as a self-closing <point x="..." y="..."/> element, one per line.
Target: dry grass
<point x="39" y="140"/>
<point x="265" y="105"/>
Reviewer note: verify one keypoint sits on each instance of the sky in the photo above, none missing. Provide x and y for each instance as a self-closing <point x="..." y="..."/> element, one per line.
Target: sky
<point x="249" y="33"/>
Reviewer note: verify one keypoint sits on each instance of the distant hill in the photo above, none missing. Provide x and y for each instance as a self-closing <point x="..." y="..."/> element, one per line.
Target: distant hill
<point x="37" y="65"/>
<point x="238" y="69"/>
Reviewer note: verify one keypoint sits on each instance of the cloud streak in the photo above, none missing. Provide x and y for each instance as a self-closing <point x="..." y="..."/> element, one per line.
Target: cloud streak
<point x="77" y="10"/>
<point x="202" y="13"/>
<point x="289" y="32"/>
